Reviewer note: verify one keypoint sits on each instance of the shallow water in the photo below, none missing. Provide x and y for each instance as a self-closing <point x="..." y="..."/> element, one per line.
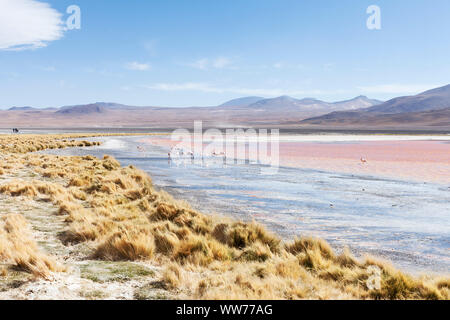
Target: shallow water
<point x="405" y="222"/>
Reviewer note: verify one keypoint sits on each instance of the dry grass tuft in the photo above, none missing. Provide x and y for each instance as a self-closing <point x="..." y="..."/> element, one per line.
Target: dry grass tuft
<point x="127" y="246"/>
<point x="172" y="276"/>
<point x="241" y="235"/>
<point x="17" y="247"/>
<point x="256" y="252"/>
<point x="306" y="245"/>
<point x="17" y="188"/>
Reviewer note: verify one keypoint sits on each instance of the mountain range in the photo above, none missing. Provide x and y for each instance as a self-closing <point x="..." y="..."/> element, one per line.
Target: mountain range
<point x="241" y="111"/>
<point x="428" y="109"/>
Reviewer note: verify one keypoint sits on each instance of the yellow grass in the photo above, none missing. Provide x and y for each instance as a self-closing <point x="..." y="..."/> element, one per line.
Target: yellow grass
<point x="120" y="213"/>
<point x="17" y="247"/>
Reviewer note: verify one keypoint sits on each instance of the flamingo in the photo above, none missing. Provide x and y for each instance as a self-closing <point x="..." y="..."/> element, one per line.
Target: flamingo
<point x="363" y="160"/>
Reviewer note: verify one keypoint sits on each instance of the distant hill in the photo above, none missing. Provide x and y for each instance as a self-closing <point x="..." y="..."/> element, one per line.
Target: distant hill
<point x="434" y="118"/>
<point x="20" y="108"/>
<point x="240" y="102"/>
<point x="395" y="110"/>
<point x="306" y="104"/>
<point x="431" y="118"/>
<point x="435" y="99"/>
<point x="116" y="106"/>
<point x="286" y="102"/>
<point x="356" y="103"/>
<point x="82" y="109"/>
<point x="312" y="105"/>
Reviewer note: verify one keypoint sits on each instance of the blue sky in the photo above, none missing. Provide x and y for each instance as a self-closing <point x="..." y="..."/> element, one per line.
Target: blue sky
<point x="183" y="53"/>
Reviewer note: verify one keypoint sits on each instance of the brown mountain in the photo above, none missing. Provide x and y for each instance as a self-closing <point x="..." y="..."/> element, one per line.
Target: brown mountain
<point x="429" y="108"/>
<point x="432" y="118"/>
<point x="434" y="99"/>
<point x="82" y="109"/>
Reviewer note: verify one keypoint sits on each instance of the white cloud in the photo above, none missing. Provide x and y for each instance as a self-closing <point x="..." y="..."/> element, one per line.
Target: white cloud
<point x="47" y="68"/>
<point x="398" y="88"/>
<point x="328" y="66"/>
<point x="28" y="24"/>
<point x="286" y="65"/>
<point x="278" y="65"/>
<point x="200" y="64"/>
<point x="137" y="66"/>
<point x="151" y="47"/>
<point x="125" y="88"/>
<point x="221" y="63"/>
<point x="217" y="63"/>
<point x="208" y="88"/>
<point x="11" y="75"/>
<point x="188" y="86"/>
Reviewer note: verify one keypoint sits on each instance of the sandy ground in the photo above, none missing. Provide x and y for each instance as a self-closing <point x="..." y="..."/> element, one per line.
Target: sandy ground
<point x="405" y="158"/>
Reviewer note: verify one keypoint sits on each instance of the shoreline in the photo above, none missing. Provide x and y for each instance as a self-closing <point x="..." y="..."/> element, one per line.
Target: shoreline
<point x="217" y="255"/>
